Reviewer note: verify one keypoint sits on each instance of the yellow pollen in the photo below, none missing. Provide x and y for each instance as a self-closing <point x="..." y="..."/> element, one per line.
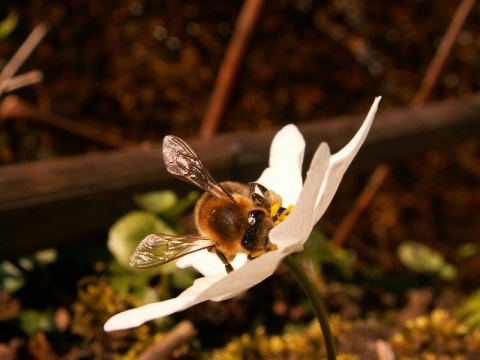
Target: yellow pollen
<point x="284" y="215"/>
<point x="274" y="209"/>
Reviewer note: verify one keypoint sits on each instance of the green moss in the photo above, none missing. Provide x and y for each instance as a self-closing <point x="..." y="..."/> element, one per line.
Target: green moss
<point x="96" y="303"/>
<point x="435" y="336"/>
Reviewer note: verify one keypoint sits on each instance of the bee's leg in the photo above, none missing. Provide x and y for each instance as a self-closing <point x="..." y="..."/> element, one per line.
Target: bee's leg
<point x="281" y="214"/>
<point x="251" y="189"/>
<point x="221" y="256"/>
<point x="262" y="188"/>
<point x="271" y="201"/>
<point x="258" y="199"/>
<point x="269" y="247"/>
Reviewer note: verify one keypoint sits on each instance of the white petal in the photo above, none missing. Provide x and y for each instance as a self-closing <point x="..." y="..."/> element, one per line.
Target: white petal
<point x="242" y="279"/>
<point x="295" y="230"/>
<point x="207" y="288"/>
<point x="284" y="176"/>
<point x="208" y="263"/>
<point x="205" y="262"/>
<point x="136" y="317"/>
<point x="339" y="163"/>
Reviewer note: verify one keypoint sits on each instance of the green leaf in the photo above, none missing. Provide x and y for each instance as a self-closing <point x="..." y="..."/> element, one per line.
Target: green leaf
<point x="127" y="281"/>
<point x="183" y="278"/>
<point x="448" y="272"/>
<point x="8" y="24"/>
<point x="46" y="256"/>
<point x="181" y="206"/>
<point x="129" y="230"/>
<point x="422" y="259"/>
<point x="11" y="277"/>
<point x="32" y="321"/>
<point x="156" y="201"/>
<point x="468" y="250"/>
<point x="470" y="310"/>
<point x="319" y="248"/>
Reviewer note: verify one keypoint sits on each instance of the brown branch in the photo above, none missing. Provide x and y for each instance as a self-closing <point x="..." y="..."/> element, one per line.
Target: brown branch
<point x="99" y="186"/>
<point x="14" y="108"/>
<point x="381" y="172"/>
<point x="363" y="201"/>
<point x="181" y="333"/>
<point x="442" y="53"/>
<point x="226" y="77"/>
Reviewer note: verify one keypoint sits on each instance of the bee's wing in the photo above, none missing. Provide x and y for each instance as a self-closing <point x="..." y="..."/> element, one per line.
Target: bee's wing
<point x="159" y="249"/>
<point x="182" y="162"/>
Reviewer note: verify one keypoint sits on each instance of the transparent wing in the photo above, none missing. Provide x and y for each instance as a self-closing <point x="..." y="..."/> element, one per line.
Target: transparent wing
<point x="159" y="249"/>
<point x="182" y="162"/>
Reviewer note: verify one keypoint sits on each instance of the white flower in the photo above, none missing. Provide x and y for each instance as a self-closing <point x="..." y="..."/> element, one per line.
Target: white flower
<point x="284" y="177"/>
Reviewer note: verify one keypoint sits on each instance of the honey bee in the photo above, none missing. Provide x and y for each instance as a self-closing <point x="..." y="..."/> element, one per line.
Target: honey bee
<point x="231" y="217"/>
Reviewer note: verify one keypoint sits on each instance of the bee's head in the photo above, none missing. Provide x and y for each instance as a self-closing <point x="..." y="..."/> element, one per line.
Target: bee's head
<point x="258" y="228"/>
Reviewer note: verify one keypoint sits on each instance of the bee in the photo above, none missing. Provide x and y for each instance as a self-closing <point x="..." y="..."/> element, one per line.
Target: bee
<point x="231" y="217"/>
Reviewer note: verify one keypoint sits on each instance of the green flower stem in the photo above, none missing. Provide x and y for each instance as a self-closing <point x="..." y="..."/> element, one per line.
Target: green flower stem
<point x="317" y="304"/>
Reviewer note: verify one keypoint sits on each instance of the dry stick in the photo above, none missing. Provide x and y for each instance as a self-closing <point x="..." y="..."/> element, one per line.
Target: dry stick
<point x="384" y="350"/>
<point x="19" y="81"/>
<point x="22" y="54"/>
<point x="229" y="69"/>
<point x="381" y="172"/>
<point x="178" y="335"/>
<point x="365" y="198"/>
<point x="443" y="51"/>
<point x="13" y="107"/>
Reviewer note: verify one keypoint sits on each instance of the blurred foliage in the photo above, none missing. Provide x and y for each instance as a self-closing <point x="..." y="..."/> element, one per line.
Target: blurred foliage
<point x="166" y="203"/>
<point x="422" y="259"/>
<point x="468" y="250"/>
<point x="304" y="344"/>
<point x="439" y="335"/>
<point x="8" y="24"/>
<point x="156" y="201"/>
<point x="320" y="252"/>
<point x="469" y="311"/>
<point x="33" y="321"/>
<point x="121" y="287"/>
<point x="11" y="277"/>
<point x="96" y="303"/>
<point x="127" y="232"/>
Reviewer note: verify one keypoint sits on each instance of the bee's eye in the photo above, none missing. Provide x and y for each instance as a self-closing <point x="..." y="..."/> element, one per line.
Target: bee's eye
<point x="251" y="219"/>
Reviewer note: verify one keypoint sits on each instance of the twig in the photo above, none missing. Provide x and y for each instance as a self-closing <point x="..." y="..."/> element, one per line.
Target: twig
<point x="229" y="69"/>
<point x="381" y="172"/>
<point x="181" y="333"/>
<point x="22" y="54"/>
<point x="442" y="53"/>
<point x="29" y="78"/>
<point x="384" y="350"/>
<point x="13" y="107"/>
<point x="363" y="201"/>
